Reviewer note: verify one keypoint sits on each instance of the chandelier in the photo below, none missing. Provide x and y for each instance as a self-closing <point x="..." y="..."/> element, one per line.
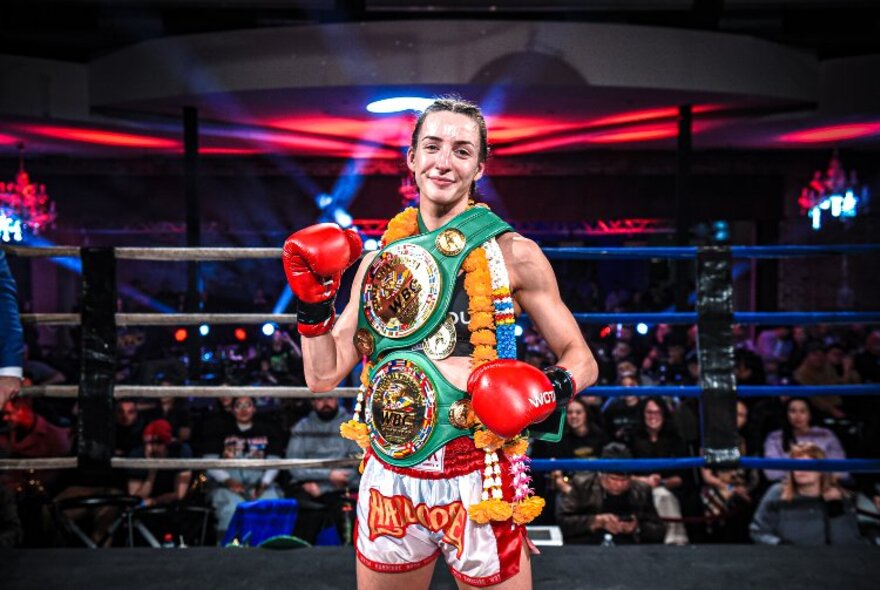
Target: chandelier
<point x="834" y="194"/>
<point x="24" y="206"/>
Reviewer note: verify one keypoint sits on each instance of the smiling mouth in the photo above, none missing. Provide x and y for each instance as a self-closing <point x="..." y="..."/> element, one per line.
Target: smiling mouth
<point x="440" y="181"/>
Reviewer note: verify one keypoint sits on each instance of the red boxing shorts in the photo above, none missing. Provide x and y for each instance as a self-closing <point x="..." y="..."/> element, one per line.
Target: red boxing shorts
<point x="404" y="521"/>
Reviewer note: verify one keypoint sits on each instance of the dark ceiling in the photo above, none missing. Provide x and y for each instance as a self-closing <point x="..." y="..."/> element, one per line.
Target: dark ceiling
<point x="81" y="30"/>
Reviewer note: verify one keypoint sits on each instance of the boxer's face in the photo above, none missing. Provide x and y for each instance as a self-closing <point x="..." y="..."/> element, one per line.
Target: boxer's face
<point x="445" y="161"/>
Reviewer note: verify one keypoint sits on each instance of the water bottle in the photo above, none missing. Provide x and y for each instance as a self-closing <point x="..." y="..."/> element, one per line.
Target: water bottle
<point x="168" y="541"/>
<point x="608" y="540"/>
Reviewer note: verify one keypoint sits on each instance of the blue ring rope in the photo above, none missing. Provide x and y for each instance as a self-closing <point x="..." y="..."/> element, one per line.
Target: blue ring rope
<point x="675" y="463"/>
<point x="741" y="391"/>
<point x="689" y="252"/>
<point x="740" y="317"/>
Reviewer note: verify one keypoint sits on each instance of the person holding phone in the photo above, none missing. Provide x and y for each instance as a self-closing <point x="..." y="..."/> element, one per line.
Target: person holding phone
<point x="591" y="506"/>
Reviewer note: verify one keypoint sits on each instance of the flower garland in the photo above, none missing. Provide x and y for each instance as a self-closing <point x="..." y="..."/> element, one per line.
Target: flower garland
<point x="492" y="329"/>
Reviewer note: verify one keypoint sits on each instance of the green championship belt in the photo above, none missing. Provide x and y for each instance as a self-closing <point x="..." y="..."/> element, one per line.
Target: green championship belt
<point x="410" y="408"/>
<point x="407" y="289"/>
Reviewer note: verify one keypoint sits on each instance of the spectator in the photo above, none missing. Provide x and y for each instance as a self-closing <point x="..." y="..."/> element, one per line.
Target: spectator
<point x="11" y="335"/>
<point x="798" y="429"/>
<point x="129" y="427"/>
<point x="867" y="362"/>
<point x="656" y="439"/>
<point x="322" y="491"/>
<point x="175" y="411"/>
<point x="727" y="494"/>
<point x="160" y="486"/>
<point x="806" y="508"/>
<point x="621" y="414"/>
<point x="816" y="370"/>
<point x="582" y="438"/>
<point x="610" y="506"/>
<point x="243" y="439"/>
<point x="31" y="436"/>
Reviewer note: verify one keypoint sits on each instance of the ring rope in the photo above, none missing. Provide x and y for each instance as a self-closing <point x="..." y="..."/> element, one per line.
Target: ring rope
<point x="164" y="319"/>
<point x="568" y="253"/>
<point x="126" y="463"/>
<point x="681" y="391"/>
<point x="675" y="463"/>
<point x="689" y="252"/>
<point x="739" y="317"/>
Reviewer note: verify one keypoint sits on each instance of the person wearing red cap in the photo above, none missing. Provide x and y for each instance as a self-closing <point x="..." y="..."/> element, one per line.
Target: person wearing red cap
<point x="159" y="486"/>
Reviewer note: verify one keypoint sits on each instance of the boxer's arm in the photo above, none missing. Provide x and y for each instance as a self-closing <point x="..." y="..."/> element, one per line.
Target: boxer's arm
<point x="328" y="358"/>
<point x="534" y="287"/>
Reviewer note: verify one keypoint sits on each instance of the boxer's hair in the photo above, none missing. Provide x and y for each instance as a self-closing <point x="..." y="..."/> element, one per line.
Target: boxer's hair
<point x="455" y="104"/>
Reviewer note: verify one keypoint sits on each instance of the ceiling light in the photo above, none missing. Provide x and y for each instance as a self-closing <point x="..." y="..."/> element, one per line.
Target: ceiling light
<point x="399" y="104"/>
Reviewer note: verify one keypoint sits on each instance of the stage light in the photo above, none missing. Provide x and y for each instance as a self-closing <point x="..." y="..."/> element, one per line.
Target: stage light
<point x="207" y="355"/>
<point x="605" y="332"/>
<point x="398" y="104"/>
<point x="371" y="244"/>
<point x="518" y="331"/>
<point x="642" y="329"/>
<point x="323" y="200"/>
<point x="180" y="334"/>
<point x="268" y="329"/>
<point x="204" y="329"/>
<point x="240" y="334"/>
<point x="342" y="217"/>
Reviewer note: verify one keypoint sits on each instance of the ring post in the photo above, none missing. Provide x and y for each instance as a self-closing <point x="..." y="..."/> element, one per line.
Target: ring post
<point x="715" y="347"/>
<point x="98" y="367"/>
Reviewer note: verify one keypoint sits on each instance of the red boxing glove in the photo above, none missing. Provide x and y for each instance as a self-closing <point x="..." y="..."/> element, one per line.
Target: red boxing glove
<point x="314" y="259"/>
<point x="508" y="395"/>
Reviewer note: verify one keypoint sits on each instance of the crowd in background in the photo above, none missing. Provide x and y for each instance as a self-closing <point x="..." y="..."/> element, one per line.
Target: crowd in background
<point x="696" y="506"/>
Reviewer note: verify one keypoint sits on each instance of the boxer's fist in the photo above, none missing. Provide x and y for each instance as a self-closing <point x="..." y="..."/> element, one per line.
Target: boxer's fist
<point x="314" y="259"/>
<point x="508" y="395"/>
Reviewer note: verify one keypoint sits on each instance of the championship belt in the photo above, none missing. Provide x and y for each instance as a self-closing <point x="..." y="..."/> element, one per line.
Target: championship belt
<point x="408" y="408"/>
<point x="407" y="289"/>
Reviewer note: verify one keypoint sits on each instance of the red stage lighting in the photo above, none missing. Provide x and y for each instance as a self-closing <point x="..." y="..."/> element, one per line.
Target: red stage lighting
<point x="240" y="334"/>
<point x="180" y="334"/>
<point x="832" y="133"/>
<point x="605" y="332"/>
<point x="102" y="137"/>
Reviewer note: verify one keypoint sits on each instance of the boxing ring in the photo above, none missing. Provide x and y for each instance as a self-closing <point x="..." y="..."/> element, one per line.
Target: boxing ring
<point x="563" y="567"/>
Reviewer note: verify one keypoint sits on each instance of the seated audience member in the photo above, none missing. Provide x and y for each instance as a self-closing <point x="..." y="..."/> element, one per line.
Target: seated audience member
<point x="816" y="370"/>
<point x="621" y="414"/>
<point x="30" y="436"/>
<point x="159" y="486"/>
<point x="655" y="438"/>
<point x="129" y="427"/>
<point x="321" y="491"/>
<point x="797" y="429"/>
<point x="727" y="494"/>
<point x="806" y="508"/>
<point x="176" y="412"/>
<point x="581" y="439"/>
<point x="245" y="438"/>
<point x="592" y="507"/>
<point x="867" y="362"/>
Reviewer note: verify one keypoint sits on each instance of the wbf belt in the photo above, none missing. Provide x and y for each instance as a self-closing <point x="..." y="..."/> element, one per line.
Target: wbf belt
<point x="408" y="287"/>
<point x="412" y="410"/>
